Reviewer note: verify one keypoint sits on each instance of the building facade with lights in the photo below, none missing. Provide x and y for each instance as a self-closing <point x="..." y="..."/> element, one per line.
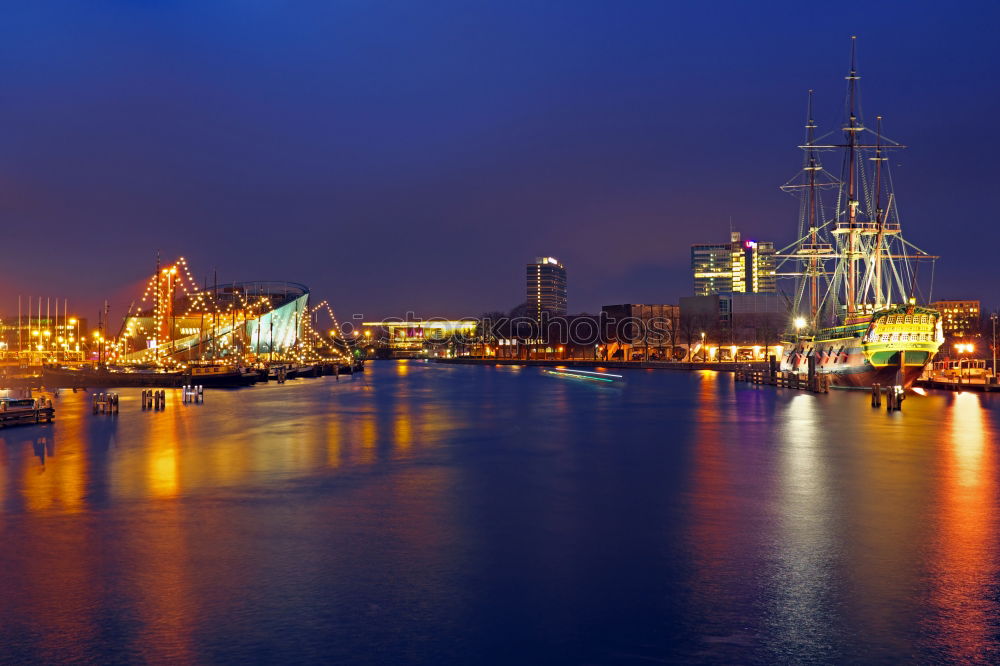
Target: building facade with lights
<point x="546" y="288"/>
<point x="740" y="318"/>
<point x="243" y="321"/>
<point x="641" y="331"/>
<point x="739" y="266"/>
<point x="419" y="337"/>
<point x="959" y="319"/>
<point x="43" y="338"/>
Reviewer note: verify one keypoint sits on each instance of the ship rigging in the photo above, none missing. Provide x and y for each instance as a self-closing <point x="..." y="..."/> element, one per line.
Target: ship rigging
<point x="853" y="259"/>
<point x="854" y="303"/>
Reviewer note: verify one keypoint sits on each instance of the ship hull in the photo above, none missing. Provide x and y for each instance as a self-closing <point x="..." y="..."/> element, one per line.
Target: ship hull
<point x="847" y="364"/>
<point x="57" y="378"/>
<point x="866" y="376"/>
<point x="851" y="369"/>
<point x="890" y="347"/>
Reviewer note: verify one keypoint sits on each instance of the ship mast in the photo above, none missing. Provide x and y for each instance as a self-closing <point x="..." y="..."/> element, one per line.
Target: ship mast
<point x="812" y="166"/>
<point x="878" y="213"/>
<point x="871" y="233"/>
<point x="851" y="132"/>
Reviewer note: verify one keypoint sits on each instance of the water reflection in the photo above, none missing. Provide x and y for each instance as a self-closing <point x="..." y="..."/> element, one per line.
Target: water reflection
<point x="800" y="616"/>
<point x="162" y="475"/>
<point x="446" y="512"/>
<point x="965" y="564"/>
<point x="717" y="511"/>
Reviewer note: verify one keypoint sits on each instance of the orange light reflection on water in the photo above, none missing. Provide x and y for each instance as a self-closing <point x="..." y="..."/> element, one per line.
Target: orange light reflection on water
<point x="964" y="567"/>
<point x="715" y="515"/>
<point x="804" y="544"/>
<point x="60" y="486"/>
<point x="162" y="476"/>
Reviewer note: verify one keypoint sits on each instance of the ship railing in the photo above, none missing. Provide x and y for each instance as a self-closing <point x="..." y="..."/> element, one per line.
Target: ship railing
<point x="815" y="248"/>
<point x="867" y="228"/>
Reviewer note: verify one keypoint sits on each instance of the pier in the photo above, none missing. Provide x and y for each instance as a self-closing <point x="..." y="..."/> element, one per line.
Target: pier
<point x="816" y="383"/>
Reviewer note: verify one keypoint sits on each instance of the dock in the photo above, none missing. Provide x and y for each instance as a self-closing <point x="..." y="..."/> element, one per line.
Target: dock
<point x="816" y="383"/>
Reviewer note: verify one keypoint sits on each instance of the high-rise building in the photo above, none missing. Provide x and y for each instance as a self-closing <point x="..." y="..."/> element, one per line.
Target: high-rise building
<point x="959" y="318"/>
<point x="546" y="291"/>
<point x="739" y="266"/>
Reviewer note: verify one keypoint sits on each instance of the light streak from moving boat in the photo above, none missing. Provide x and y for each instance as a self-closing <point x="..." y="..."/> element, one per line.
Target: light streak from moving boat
<point x="585" y="374"/>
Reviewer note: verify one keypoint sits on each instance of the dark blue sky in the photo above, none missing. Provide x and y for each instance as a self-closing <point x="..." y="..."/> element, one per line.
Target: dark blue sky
<point x="414" y="155"/>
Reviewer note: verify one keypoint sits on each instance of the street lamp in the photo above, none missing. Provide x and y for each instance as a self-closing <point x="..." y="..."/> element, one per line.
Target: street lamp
<point x="963" y="348"/>
<point x="993" y="318"/>
<point x="703" y="347"/>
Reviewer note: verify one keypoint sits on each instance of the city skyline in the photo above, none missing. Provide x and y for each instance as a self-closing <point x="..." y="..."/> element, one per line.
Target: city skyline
<point x="439" y="149"/>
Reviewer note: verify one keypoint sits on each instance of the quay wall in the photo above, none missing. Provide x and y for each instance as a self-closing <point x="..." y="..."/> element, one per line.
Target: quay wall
<point x="618" y="365"/>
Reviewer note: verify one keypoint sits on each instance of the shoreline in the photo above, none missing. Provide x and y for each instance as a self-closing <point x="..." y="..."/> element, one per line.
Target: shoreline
<point x="618" y="365"/>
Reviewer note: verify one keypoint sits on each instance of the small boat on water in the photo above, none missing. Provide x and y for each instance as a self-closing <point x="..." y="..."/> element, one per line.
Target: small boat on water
<point x="303" y="370"/>
<point x="66" y="377"/>
<point x="209" y="376"/>
<point x="14" y="411"/>
<point x="221" y="376"/>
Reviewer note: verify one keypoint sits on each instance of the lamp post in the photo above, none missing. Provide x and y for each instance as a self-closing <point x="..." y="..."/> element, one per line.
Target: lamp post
<point x="993" y="318"/>
<point x="703" y="346"/>
<point x="800" y="323"/>
<point x="963" y="348"/>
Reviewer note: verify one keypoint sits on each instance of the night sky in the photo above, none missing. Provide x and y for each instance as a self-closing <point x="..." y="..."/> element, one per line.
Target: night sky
<point x="414" y="155"/>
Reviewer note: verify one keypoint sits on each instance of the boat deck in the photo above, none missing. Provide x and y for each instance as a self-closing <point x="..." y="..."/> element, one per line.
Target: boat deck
<point x="41" y="412"/>
<point x="967" y="384"/>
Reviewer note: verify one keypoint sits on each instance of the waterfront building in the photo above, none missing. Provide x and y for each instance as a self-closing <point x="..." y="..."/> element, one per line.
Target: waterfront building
<point x="726" y="309"/>
<point x="959" y="319"/>
<point x="739" y="266"/>
<point x="236" y="321"/>
<point x="636" y="331"/>
<point x="579" y="336"/>
<point x="41" y="338"/>
<point x="748" y="321"/>
<point x="396" y="338"/>
<point x="178" y="323"/>
<point x="546" y="287"/>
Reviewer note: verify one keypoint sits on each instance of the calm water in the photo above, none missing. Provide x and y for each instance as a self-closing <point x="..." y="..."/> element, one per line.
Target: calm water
<point x="447" y="514"/>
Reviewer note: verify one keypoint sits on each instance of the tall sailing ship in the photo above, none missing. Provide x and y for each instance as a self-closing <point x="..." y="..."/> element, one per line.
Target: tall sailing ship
<point x="856" y="316"/>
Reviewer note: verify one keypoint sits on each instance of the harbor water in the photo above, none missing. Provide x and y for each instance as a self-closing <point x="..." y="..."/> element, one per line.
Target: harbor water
<point x="427" y="514"/>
